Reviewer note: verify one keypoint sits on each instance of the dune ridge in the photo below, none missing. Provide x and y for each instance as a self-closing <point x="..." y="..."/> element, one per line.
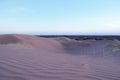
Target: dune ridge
<point x="29" y="41"/>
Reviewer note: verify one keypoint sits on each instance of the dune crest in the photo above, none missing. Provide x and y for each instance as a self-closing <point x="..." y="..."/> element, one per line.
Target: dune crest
<point x="40" y="43"/>
<point x="8" y="39"/>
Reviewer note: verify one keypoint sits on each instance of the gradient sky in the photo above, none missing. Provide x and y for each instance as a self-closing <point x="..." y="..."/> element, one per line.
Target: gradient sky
<point x="60" y="16"/>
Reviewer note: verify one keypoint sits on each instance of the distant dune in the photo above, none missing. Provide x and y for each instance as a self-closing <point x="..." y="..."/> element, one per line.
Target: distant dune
<point x="26" y="57"/>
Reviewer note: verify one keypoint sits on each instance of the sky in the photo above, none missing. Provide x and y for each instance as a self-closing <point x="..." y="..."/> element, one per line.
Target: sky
<point x="60" y="17"/>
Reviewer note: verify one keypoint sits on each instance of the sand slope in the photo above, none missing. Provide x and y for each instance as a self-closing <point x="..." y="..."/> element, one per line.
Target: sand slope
<point x="57" y="59"/>
<point x="29" y="41"/>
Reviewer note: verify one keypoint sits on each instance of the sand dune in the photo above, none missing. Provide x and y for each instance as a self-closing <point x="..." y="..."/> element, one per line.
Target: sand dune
<point x="57" y="59"/>
<point x="43" y="44"/>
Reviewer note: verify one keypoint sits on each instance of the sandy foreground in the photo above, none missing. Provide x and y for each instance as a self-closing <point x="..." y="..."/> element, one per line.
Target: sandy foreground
<point x="25" y="57"/>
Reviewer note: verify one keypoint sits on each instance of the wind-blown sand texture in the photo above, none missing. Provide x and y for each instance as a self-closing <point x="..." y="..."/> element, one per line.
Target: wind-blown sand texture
<point x="25" y="57"/>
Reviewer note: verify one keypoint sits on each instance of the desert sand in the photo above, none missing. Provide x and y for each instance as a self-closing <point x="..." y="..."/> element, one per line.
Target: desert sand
<point x="26" y="57"/>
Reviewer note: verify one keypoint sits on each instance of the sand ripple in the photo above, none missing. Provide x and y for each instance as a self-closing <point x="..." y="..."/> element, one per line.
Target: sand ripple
<point x="66" y="67"/>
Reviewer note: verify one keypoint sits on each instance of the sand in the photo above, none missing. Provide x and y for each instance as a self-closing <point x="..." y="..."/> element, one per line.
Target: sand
<point x="25" y="57"/>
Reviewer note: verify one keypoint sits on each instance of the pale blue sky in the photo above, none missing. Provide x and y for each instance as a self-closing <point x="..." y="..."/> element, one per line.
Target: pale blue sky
<point x="60" y="16"/>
